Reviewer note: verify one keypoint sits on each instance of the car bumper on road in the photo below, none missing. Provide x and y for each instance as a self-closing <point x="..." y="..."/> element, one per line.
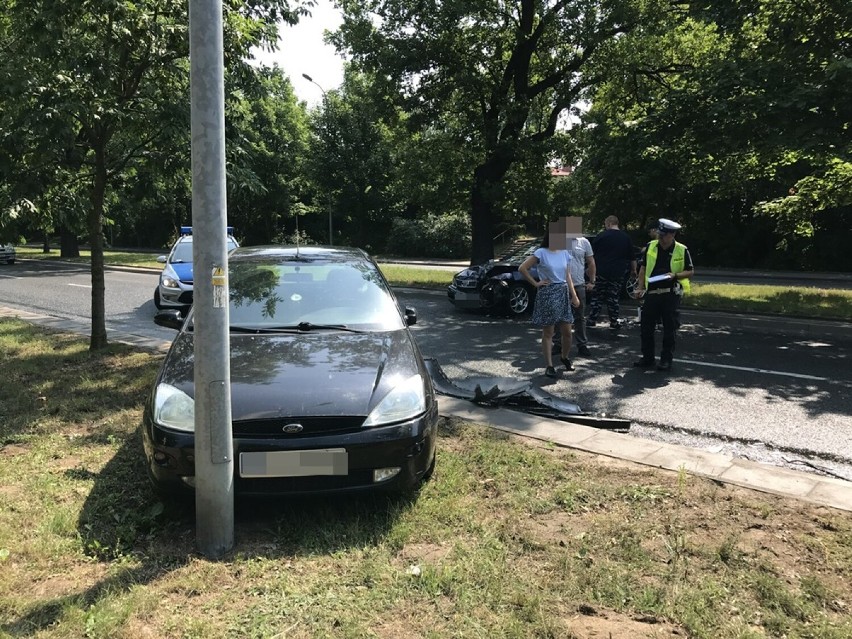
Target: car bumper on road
<point x="464" y="299"/>
<point x="174" y="298"/>
<point x="409" y="446"/>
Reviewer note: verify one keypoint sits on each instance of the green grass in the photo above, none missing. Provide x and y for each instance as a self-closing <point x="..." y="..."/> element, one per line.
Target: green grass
<point x="775" y="300"/>
<point x="510" y="538"/>
<point x="113" y="258"/>
<point x="792" y="301"/>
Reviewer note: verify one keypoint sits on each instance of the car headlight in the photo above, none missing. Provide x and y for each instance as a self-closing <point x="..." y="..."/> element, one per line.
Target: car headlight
<point x="170" y="282"/>
<point x="174" y="409"/>
<point x="405" y="401"/>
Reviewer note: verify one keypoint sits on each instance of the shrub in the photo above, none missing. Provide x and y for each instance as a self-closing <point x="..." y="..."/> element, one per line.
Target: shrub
<point x="445" y="235"/>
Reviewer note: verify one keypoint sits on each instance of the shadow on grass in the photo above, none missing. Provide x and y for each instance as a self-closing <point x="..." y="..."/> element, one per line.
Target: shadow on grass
<point x="140" y="539"/>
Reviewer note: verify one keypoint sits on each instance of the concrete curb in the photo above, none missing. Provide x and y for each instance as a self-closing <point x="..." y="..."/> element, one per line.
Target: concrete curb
<point x="825" y="491"/>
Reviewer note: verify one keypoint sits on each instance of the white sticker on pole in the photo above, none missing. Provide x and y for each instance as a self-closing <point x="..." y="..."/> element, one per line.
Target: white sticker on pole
<point x="219" y="282"/>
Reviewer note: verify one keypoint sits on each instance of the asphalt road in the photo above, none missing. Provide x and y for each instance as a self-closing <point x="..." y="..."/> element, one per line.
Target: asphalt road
<point x="766" y="397"/>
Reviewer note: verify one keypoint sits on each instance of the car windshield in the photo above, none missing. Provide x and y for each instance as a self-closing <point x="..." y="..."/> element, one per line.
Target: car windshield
<point x="521" y="252"/>
<point x="310" y="295"/>
<point x="183" y="250"/>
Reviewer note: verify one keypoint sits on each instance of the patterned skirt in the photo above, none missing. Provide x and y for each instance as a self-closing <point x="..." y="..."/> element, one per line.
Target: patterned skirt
<point x="552" y="305"/>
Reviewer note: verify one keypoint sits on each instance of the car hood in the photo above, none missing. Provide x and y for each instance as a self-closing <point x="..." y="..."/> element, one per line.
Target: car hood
<point x="183" y="270"/>
<point x="323" y="373"/>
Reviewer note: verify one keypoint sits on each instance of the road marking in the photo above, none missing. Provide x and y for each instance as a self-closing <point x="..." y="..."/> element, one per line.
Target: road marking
<point x="754" y="370"/>
<point x="81" y="285"/>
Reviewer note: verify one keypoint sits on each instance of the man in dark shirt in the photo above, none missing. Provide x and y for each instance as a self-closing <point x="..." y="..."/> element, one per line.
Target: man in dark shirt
<point x="663" y="279"/>
<point x="613" y="257"/>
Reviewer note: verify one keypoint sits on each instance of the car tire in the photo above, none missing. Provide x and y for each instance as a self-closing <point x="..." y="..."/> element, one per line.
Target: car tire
<point x="519" y="299"/>
<point x="157" y="302"/>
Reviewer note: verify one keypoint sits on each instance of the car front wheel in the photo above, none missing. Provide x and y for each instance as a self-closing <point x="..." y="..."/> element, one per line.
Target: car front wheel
<point x="518" y="298"/>
<point x="157" y="302"/>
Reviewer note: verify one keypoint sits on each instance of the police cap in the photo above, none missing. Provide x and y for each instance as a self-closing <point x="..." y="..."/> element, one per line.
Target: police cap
<point x="668" y="226"/>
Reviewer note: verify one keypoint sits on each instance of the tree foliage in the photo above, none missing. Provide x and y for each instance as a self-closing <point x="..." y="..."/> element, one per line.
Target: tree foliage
<point x="90" y="87"/>
<point x="496" y="76"/>
<point x="748" y="129"/>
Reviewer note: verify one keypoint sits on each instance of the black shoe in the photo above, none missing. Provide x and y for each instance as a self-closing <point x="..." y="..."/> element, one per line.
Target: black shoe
<point x="643" y="363"/>
<point x="591" y="322"/>
<point x="551" y="372"/>
<point x="567" y="363"/>
<point x="583" y="350"/>
<point x="614" y="326"/>
<point x="664" y="365"/>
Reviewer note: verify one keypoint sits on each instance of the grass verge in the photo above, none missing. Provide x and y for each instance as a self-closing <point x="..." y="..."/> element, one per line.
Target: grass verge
<point x="511" y="538"/>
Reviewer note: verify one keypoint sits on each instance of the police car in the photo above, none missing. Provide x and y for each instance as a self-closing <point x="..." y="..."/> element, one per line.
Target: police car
<point x="175" y="287"/>
<point x="7" y="253"/>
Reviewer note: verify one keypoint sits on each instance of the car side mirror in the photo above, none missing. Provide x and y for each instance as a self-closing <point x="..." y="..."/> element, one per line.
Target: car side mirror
<point x="162" y="259"/>
<point x="410" y="316"/>
<point x="170" y="318"/>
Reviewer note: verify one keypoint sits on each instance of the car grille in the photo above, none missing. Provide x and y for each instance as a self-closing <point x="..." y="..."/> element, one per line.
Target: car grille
<point x="311" y="426"/>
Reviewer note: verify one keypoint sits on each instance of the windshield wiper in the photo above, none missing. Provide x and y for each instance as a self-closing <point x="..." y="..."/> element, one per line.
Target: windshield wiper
<point x="300" y="327"/>
<point x="258" y="329"/>
<point x="308" y="326"/>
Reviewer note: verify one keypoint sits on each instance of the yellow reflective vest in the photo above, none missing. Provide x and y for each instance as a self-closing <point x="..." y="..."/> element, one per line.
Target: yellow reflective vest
<point x="677" y="265"/>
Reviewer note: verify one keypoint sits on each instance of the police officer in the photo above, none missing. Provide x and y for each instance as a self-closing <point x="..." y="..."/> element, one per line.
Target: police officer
<point x="663" y="279"/>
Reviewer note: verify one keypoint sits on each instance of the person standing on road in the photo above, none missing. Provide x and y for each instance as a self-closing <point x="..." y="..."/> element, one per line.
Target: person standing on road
<point x="555" y="295"/>
<point x="663" y="280"/>
<point x="613" y="258"/>
<point x="583" y="275"/>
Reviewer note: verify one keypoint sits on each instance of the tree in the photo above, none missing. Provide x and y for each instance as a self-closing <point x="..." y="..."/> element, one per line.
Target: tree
<point x="267" y="148"/>
<point x="95" y="83"/>
<point x="751" y="117"/>
<point x="498" y="75"/>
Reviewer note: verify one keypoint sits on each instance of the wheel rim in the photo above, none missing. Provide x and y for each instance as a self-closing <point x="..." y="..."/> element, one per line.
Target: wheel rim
<point x="519" y="300"/>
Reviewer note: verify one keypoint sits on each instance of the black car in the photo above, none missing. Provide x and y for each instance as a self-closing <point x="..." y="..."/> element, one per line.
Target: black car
<point x="497" y="284"/>
<point x="329" y="391"/>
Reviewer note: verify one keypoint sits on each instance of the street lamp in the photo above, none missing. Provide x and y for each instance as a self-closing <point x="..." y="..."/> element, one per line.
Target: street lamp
<point x="325" y="100"/>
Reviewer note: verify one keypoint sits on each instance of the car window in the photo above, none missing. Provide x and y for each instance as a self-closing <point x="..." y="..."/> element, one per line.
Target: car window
<point x="183" y="250"/>
<point x="264" y="295"/>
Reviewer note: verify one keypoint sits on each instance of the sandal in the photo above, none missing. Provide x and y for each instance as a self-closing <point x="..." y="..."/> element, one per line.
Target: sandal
<point x="567" y="363"/>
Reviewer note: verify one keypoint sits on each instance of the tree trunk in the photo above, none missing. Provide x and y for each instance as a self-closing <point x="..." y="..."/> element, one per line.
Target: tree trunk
<point x="96" y="242"/>
<point x="45" y="247"/>
<point x="487" y="180"/>
<point x="68" y="245"/>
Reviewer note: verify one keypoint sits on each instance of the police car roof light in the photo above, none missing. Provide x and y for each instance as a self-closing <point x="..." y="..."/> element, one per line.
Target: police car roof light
<point x="187" y="230"/>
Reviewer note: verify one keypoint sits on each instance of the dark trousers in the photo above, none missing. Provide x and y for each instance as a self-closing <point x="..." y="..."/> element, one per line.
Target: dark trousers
<point x="667" y="308"/>
<point x="607" y="291"/>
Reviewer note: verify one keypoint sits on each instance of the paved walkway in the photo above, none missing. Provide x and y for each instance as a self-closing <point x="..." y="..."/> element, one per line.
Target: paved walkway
<point x="827" y="491"/>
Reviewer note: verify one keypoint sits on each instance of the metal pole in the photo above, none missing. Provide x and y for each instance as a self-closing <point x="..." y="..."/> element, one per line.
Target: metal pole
<point x="214" y="448"/>
<point x="330" y="201"/>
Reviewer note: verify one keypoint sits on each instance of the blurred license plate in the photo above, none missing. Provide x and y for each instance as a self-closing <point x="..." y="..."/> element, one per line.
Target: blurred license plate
<point x="295" y="463"/>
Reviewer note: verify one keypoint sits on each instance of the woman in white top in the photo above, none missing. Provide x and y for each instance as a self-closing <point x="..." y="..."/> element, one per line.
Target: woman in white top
<point x="555" y="295"/>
